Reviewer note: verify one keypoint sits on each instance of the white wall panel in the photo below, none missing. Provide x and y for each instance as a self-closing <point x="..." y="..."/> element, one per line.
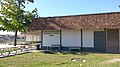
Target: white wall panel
<point x="33" y="37"/>
<point x="71" y="38"/>
<point x="88" y="38"/>
<point x="51" y="38"/>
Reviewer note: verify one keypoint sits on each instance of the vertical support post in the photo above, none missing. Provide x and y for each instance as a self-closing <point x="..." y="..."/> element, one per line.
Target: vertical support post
<point x="60" y="39"/>
<point x="81" y="39"/>
<point x="119" y="41"/>
<point x="41" y="38"/>
<point x="106" y="38"/>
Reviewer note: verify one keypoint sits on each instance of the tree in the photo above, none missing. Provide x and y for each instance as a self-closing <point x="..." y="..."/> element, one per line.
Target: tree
<point x="13" y="16"/>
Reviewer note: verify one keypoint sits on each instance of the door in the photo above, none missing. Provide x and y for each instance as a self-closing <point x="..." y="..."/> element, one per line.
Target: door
<point x="113" y="40"/>
<point x="100" y="41"/>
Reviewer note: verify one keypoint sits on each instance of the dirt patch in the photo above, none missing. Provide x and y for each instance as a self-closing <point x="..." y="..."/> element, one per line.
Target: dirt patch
<point x="111" y="61"/>
<point x="78" y="60"/>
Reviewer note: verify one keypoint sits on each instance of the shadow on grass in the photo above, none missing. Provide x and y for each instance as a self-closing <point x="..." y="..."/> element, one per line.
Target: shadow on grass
<point x="7" y="56"/>
<point x="65" y="53"/>
<point x="48" y="52"/>
<point x="75" y="53"/>
<point x="82" y="53"/>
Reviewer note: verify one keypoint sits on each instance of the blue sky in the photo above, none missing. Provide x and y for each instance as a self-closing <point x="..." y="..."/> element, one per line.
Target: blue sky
<point x="48" y="8"/>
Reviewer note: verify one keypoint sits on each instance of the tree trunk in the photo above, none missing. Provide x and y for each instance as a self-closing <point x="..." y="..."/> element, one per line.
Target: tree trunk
<point x="15" y="40"/>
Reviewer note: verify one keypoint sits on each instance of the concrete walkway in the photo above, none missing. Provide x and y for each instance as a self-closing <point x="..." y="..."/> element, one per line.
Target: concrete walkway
<point x="10" y="50"/>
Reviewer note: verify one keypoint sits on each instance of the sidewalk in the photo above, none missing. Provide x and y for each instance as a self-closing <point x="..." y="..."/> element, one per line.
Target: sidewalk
<point x="17" y="50"/>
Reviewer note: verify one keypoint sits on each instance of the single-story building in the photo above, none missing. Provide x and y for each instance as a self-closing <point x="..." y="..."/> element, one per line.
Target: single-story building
<point x="90" y="32"/>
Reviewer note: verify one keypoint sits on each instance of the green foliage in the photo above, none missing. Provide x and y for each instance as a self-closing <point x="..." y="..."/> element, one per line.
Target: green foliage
<point x="13" y="16"/>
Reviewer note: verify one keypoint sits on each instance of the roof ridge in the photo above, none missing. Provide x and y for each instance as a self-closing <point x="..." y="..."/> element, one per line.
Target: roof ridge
<point x="80" y="15"/>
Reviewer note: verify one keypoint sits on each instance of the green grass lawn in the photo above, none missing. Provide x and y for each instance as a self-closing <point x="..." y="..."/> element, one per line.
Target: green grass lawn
<point x="63" y="59"/>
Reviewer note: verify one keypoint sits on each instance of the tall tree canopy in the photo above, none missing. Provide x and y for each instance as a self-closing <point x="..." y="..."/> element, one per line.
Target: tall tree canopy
<point x="13" y="16"/>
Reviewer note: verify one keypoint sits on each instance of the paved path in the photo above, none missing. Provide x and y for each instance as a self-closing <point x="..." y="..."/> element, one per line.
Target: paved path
<point x="7" y="50"/>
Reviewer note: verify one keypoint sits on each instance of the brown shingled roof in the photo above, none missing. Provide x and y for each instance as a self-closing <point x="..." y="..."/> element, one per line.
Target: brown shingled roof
<point x="89" y="21"/>
<point x="36" y="32"/>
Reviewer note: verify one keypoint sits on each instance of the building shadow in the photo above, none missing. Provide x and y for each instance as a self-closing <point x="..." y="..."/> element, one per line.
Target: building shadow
<point x="66" y="52"/>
